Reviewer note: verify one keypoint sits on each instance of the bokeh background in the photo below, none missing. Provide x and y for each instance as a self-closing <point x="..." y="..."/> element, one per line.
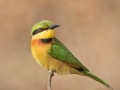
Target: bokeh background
<point x="89" y="28"/>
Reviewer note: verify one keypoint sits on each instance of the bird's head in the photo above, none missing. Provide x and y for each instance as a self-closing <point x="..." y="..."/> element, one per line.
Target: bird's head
<point x="43" y="29"/>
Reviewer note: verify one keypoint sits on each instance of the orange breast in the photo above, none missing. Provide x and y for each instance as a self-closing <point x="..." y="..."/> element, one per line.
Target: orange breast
<point x="40" y="52"/>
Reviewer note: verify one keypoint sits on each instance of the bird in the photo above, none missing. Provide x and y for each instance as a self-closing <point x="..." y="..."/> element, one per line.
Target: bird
<point x="53" y="55"/>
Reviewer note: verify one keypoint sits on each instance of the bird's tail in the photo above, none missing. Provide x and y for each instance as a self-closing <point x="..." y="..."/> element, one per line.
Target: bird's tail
<point x="97" y="79"/>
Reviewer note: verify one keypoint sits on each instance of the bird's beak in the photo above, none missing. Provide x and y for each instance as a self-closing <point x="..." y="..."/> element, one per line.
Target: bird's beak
<point x="53" y="26"/>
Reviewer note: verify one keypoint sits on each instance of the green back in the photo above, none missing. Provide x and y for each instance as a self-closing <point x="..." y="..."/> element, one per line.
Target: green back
<point x="60" y="52"/>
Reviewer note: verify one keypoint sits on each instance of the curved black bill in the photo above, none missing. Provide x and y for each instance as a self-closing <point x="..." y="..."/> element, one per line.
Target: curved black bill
<point x="54" y="26"/>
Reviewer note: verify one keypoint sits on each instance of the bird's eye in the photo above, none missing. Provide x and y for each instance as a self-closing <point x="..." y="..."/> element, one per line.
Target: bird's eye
<point x="39" y="30"/>
<point x="42" y="29"/>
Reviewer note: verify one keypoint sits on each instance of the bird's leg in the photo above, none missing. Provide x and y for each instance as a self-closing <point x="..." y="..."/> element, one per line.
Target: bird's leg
<point x="50" y="75"/>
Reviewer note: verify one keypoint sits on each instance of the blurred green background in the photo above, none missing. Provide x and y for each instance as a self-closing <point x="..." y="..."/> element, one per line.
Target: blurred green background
<point x="89" y="28"/>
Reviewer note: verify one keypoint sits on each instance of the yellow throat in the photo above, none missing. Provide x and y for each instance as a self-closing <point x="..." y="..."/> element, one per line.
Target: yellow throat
<point x="44" y="34"/>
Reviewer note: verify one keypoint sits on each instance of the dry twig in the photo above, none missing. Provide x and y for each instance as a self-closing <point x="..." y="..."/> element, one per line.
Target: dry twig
<point x="50" y="75"/>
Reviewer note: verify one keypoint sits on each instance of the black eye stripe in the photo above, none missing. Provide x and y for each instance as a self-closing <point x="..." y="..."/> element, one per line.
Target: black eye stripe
<point x="39" y="30"/>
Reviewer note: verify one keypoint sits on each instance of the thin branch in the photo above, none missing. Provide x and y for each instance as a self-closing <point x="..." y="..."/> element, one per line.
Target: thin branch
<point x="50" y="75"/>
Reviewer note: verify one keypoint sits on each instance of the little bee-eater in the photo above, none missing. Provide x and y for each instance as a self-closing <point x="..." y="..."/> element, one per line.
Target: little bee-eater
<point x="51" y="54"/>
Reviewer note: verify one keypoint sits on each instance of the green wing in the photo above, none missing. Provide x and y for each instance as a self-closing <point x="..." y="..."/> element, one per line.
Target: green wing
<point x="60" y="52"/>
